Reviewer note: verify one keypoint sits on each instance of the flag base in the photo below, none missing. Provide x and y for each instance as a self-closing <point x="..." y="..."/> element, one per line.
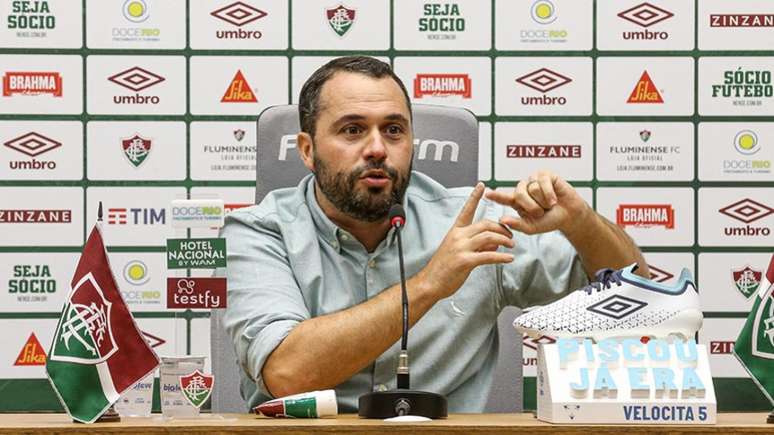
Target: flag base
<point x="109" y="416"/>
<point x="770" y="420"/>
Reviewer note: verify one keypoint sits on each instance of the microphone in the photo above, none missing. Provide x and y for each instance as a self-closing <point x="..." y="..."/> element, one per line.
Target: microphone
<point x="397" y="216"/>
<point x="403" y="400"/>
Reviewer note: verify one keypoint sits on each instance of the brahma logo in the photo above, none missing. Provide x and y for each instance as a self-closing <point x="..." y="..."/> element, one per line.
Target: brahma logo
<point x="645" y="15"/>
<point x="45" y="216"/>
<point x="136" y="79"/>
<point x="442" y="85"/>
<point x="742" y="20"/>
<point x="238" y="14"/>
<point x="136" y="216"/>
<point x="32" y="354"/>
<point x="645" y="216"/>
<point x="340" y="19"/>
<point x="32" y="144"/>
<point x="136" y="149"/>
<point x="543" y="151"/>
<point x="543" y="80"/>
<point x="747" y="280"/>
<point x="239" y="91"/>
<point x="441" y="20"/>
<point x="747" y="211"/>
<point x="645" y="92"/>
<point x="32" y="83"/>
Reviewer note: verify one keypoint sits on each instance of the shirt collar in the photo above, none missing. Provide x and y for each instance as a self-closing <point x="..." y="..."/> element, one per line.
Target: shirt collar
<point x="329" y="231"/>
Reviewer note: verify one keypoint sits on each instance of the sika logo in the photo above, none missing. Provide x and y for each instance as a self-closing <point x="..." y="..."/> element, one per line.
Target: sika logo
<point x="238" y="14"/>
<point x="136" y="79"/>
<point x="340" y="19"/>
<point x="747" y="280"/>
<point x="32" y="354"/>
<point x="136" y="216"/>
<point x="136" y="149"/>
<point x="746" y="143"/>
<point x="543" y="12"/>
<point x="441" y="21"/>
<point x="645" y="92"/>
<point x="659" y="275"/>
<point x="239" y="91"/>
<point x="44" y="216"/>
<point x="442" y="85"/>
<point x="747" y="211"/>
<point x="645" y="216"/>
<point x="543" y="80"/>
<point x="32" y="144"/>
<point x="645" y="15"/>
<point x="543" y="151"/>
<point x="742" y="20"/>
<point x="32" y="83"/>
<point x="31" y="19"/>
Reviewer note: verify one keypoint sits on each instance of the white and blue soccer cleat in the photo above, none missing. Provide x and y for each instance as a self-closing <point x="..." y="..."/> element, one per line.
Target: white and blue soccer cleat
<point x="619" y="304"/>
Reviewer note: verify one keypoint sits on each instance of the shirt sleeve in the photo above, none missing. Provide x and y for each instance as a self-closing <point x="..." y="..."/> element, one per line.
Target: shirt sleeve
<point x="264" y="300"/>
<point x="546" y="267"/>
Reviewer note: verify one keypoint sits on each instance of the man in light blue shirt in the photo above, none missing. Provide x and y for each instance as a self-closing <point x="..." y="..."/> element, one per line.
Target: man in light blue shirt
<point x="314" y="292"/>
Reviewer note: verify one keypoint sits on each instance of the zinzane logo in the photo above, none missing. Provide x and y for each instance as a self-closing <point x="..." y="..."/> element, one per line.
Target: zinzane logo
<point x="742" y="20"/>
<point x="543" y="151"/>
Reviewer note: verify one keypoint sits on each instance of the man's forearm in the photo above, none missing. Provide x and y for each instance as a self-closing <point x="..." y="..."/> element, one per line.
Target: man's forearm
<point x="602" y="244"/>
<point x="324" y="351"/>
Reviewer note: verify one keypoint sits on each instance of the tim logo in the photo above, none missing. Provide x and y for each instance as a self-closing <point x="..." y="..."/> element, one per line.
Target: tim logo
<point x="136" y="216"/>
<point x="645" y="215"/>
<point x="421" y="146"/>
<point x="747" y="211"/>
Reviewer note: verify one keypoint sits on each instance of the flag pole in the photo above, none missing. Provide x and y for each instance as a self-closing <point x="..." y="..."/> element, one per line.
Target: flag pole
<point x="770" y="420"/>
<point x="110" y="415"/>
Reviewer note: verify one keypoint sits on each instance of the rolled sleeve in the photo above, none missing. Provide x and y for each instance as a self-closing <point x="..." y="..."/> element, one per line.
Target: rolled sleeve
<point x="264" y="300"/>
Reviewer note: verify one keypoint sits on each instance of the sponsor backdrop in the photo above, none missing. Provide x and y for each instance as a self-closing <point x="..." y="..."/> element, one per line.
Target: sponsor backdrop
<point x="660" y="112"/>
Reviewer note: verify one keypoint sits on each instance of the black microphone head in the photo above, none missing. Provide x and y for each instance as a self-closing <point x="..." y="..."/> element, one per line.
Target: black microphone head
<point x="397" y="215"/>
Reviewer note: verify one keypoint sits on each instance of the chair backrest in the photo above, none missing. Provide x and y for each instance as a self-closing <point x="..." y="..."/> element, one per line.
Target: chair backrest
<point x="445" y="148"/>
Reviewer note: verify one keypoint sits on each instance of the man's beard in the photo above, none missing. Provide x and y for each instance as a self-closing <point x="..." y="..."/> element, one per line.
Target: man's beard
<point x="371" y="205"/>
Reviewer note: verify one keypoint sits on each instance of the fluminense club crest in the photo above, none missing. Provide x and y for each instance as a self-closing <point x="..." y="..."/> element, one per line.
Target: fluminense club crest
<point x="239" y="134"/>
<point x="196" y="387"/>
<point x="136" y="149"/>
<point x="747" y="280"/>
<point x="340" y="18"/>
<point x="84" y="335"/>
<point x="763" y="327"/>
<point x="645" y="135"/>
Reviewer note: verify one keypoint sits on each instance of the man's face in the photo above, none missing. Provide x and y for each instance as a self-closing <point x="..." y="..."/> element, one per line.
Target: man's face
<point x="362" y="145"/>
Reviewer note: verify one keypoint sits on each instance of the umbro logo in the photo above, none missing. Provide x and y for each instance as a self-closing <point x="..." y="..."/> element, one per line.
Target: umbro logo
<point x="646" y="15"/>
<point x="136" y="79"/>
<point x="238" y="14"/>
<point x="747" y="210"/>
<point x="543" y="80"/>
<point x="617" y="307"/>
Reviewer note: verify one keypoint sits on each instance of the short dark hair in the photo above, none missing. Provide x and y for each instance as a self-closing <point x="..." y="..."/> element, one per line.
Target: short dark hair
<point x="309" y="100"/>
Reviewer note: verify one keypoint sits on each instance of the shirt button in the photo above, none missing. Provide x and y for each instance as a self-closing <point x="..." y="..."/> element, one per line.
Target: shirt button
<point x="344" y="237"/>
<point x="372" y="264"/>
<point x="380" y="387"/>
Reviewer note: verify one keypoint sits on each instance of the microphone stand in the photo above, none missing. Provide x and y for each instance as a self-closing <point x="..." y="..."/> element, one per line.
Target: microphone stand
<point x="403" y="400"/>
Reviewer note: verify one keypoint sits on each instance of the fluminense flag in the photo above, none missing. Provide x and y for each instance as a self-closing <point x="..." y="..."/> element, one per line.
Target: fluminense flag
<point x="755" y="345"/>
<point x="97" y="352"/>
